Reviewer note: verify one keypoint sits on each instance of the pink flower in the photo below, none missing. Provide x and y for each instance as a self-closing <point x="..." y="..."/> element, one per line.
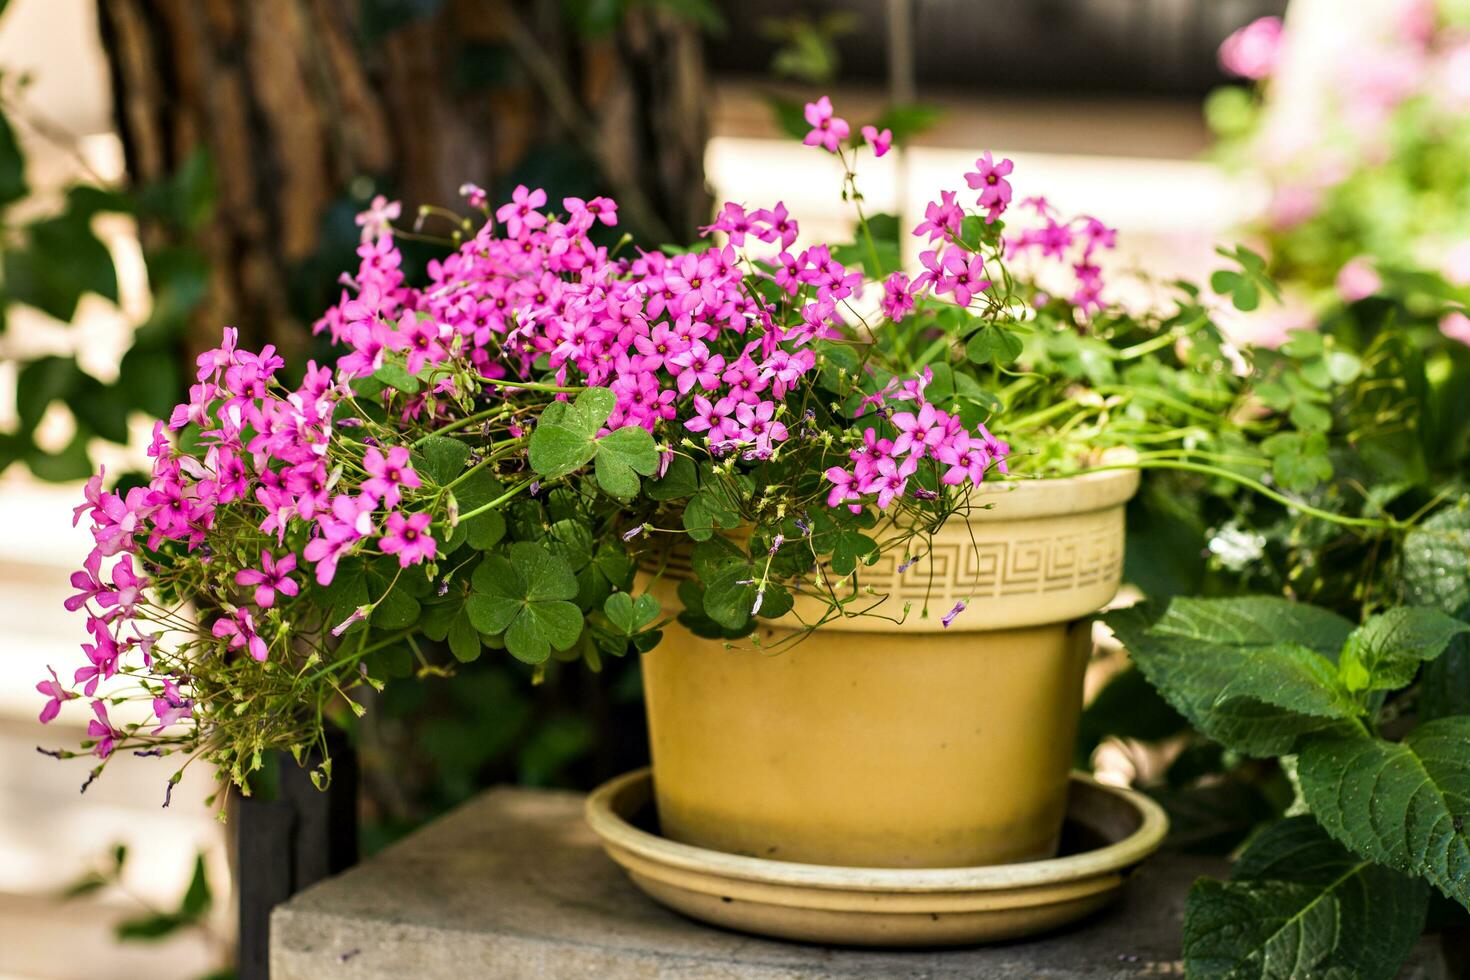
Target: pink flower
<point x="962" y="278"/>
<point x="828" y="131"/>
<point x="272" y="577"/>
<point x="918" y="432"/>
<point x="1357" y="279"/>
<point x="102" y="656"/>
<point x="92" y="496"/>
<point x="386" y="475"/>
<point x="989" y="179"/>
<point x="420" y="337"/>
<point x="520" y="215"/>
<point x="892" y="478"/>
<point x="88" y="582"/>
<point x="53" y="690"/>
<point x="172" y="707"/>
<point x="942" y="218"/>
<point x="880" y="142"/>
<point x="843" y="489"/>
<point x="897" y="302"/>
<point x="602" y="209"/>
<point x="100" y="728"/>
<point x="378" y="218"/>
<point x="408" y="538"/>
<point x="779" y="226"/>
<point x="1254" y="50"/>
<point x="240" y="630"/>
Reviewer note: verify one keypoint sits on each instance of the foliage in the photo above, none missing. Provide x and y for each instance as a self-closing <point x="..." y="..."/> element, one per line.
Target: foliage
<point x="1268" y="677"/>
<point x="154" y="924"/>
<point x="1371" y="179"/>
<point x="51" y="261"/>
<point x="480" y="473"/>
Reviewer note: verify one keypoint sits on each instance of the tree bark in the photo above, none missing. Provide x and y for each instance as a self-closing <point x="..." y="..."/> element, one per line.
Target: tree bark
<point x="306" y="105"/>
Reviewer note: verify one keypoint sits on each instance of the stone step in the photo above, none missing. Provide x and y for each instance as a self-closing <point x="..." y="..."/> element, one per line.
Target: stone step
<point x="513" y="884"/>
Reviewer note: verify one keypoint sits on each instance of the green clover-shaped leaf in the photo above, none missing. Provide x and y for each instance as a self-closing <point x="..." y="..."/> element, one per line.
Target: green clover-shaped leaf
<point x="565" y="438"/>
<point x="622" y="455"/>
<point x="526" y="597"/>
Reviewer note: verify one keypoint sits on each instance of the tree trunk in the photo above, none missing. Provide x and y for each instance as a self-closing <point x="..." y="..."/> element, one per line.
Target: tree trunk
<point x="307" y="107"/>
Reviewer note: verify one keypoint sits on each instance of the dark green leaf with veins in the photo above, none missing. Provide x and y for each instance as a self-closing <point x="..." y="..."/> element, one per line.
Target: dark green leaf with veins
<point x="1385" y="652"/>
<point x="1402" y="804"/>
<point x="1253" y="673"/>
<point x="1300" y="906"/>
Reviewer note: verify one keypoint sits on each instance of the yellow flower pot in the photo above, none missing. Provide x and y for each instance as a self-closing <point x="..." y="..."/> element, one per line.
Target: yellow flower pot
<point x="877" y="744"/>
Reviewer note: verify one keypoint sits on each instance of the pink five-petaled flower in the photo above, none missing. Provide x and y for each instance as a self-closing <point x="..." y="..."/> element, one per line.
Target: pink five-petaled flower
<point x="57" y="694"/>
<point x="421" y="340"/>
<point x="408" y="538"/>
<point x="942" y="218"/>
<point x="961" y="277"/>
<point x="918" y="433"/>
<point x="272" y="577"/>
<point x="88" y="582"/>
<point x="101" y="729"/>
<point x="828" y="131"/>
<point x="880" y="142"/>
<point x="996" y="450"/>
<point x="989" y="179"/>
<point x="844" y="489"/>
<point x="897" y="302"/>
<point x="966" y="459"/>
<point x="520" y="215"/>
<point x="386" y="475"/>
<point x="890" y="478"/>
<point x="172" y="707"/>
<point x="378" y="218"/>
<point x="240" y="629"/>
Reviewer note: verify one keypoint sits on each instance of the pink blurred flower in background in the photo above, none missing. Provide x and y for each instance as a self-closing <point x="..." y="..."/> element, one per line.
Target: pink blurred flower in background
<point x="1456" y="326"/>
<point x="1357" y="279"/>
<point x="1292" y="204"/>
<point x="1456" y="265"/>
<point x="1452" y="78"/>
<point x="1254" y="51"/>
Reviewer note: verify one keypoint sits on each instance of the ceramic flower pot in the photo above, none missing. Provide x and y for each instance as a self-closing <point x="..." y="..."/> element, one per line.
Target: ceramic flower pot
<point x="908" y="745"/>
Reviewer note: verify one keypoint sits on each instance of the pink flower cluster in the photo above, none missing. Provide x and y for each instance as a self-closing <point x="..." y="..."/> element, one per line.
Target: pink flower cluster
<point x="882" y="467"/>
<point x="1075" y="242"/>
<point x="260" y="453"/>
<point x="684" y="342"/>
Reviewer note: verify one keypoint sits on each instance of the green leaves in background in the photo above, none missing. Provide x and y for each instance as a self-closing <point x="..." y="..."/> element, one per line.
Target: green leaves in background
<point x="1298" y="905"/>
<point x="1245" y="286"/>
<point x="527" y="598"/>
<point x="1403" y="804"/>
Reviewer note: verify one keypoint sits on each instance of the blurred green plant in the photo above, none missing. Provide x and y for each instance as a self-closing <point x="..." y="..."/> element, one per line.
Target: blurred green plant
<point x="1381" y="176"/>
<point x="51" y="261"/>
<point x="154" y="924"/>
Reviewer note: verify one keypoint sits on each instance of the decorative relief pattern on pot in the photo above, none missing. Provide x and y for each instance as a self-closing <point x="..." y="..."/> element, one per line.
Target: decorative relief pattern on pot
<point x="997" y="568"/>
<point x="980" y="569"/>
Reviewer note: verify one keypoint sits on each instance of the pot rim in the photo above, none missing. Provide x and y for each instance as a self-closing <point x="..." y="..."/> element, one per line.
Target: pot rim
<point x="615" y="831"/>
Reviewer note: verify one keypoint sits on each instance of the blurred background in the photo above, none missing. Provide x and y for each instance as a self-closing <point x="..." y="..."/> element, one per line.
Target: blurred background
<point x="169" y="167"/>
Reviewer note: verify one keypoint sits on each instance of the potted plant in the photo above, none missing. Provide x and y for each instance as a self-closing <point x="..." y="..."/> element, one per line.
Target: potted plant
<point x="567" y="450"/>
